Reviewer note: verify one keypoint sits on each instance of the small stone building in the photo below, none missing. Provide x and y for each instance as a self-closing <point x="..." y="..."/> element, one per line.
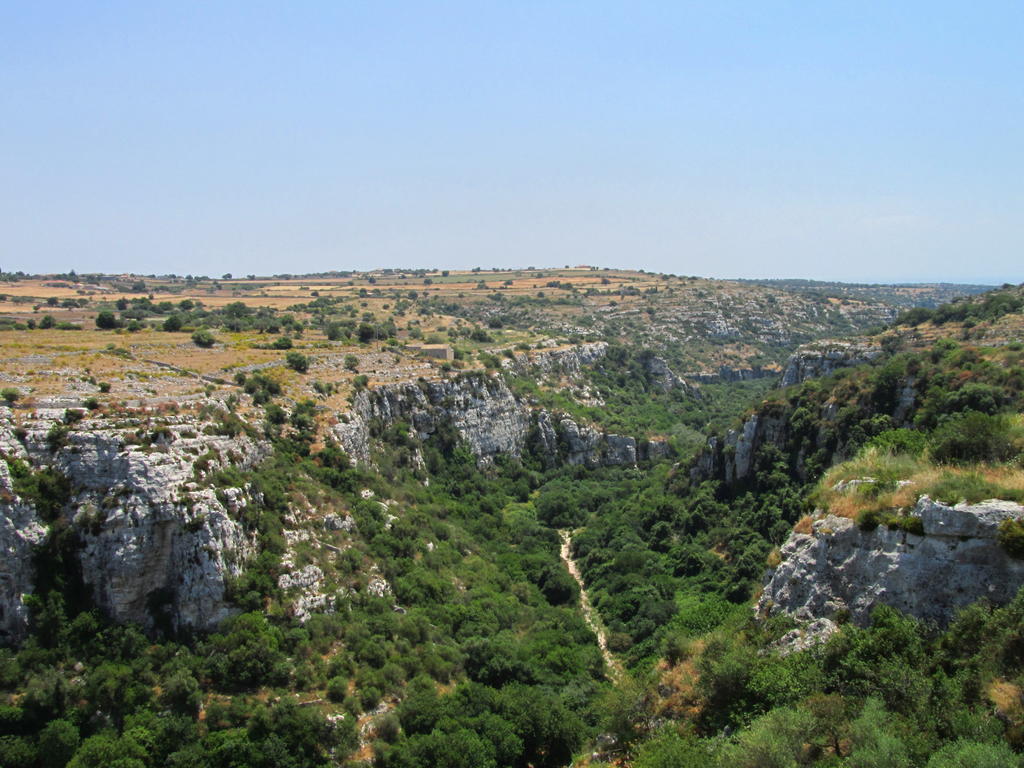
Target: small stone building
<point x="436" y="351"/>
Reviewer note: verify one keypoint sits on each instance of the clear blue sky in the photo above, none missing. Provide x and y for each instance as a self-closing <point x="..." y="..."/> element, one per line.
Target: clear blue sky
<point x="857" y="140"/>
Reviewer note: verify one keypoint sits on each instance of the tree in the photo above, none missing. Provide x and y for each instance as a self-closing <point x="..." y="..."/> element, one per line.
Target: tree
<point x="874" y="743"/>
<point x="352" y="362"/>
<point x="203" y="338"/>
<point x="297" y="361"/>
<point x="106" y="320"/>
<point x="173" y="323"/>
<point x="970" y="754"/>
<point x="773" y="741"/>
<point x="57" y="743"/>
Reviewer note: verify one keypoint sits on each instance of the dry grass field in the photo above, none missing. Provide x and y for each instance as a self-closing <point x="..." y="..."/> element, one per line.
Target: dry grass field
<point x="50" y="346"/>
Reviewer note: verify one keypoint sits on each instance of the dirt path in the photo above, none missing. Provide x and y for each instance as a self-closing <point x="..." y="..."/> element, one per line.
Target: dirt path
<point x="590" y="616"/>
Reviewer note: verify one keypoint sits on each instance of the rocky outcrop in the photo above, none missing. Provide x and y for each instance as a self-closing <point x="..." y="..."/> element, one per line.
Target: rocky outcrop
<point x="583" y="445"/>
<point x="731" y="458"/>
<point x="21" y="531"/>
<point x="726" y="373"/>
<point x="567" y="361"/>
<point x="838" y="567"/>
<point x="481" y="408"/>
<point x="661" y="377"/>
<point x="154" y="544"/>
<point x="488" y="416"/>
<point x="812" y="361"/>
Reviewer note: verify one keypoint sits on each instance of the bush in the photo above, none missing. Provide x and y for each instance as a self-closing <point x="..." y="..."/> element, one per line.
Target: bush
<point x="971" y="754"/>
<point x="909" y="523"/>
<point x="971" y="437"/>
<point x="57" y="743"/>
<point x="10" y="395"/>
<point x="1011" y="538"/>
<point x="282" y="342"/>
<point x="173" y="323"/>
<point x="106" y="320"/>
<point x="869" y="519"/>
<point x="203" y="338"/>
<point x="337" y="689"/>
<point x="297" y="362"/>
<point x="893" y="441"/>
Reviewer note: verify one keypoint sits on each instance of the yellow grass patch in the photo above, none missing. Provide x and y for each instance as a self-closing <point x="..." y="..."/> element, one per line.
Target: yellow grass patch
<point x="1008" y="699"/>
<point x="804" y="525"/>
<point x="880" y="481"/>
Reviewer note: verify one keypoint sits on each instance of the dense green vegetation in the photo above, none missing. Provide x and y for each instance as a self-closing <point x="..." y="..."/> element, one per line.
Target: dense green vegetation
<point x="894" y="694"/>
<point x="488" y="605"/>
<point x="476" y="652"/>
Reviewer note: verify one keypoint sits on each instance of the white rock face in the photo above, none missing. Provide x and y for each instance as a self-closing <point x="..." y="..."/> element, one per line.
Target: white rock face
<point x="662" y="378"/>
<point x="812" y="361"/>
<point x="486" y="414"/>
<point x="817" y="631"/>
<point x="154" y="545"/>
<point x="956" y="562"/>
<point x="567" y="362"/>
<point x="20" y="531"/>
<point x="481" y="408"/>
<point x="732" y="457"/>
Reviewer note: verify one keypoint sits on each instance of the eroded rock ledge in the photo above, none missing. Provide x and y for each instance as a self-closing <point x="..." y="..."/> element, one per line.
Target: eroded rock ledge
<point x="838" y="567"/>
<point x="153" y="541"/>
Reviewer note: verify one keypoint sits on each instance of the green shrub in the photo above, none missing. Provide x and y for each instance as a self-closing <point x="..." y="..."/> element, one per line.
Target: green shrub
<point x="1011" y="538"/>
<point x="10" y="395"/>
<point x="869" y="519"/>
<point x="972" y="754"/>
<point x="971" y="437"/>
<point x="337" y="689"/>
<point x="173" y="323"/>
<point x="203" y="338"/>
<point x="297" y="362"/>
<point x="909" y="523"/>
<point x="893" y="441"/>
<point x="106" y="320"/>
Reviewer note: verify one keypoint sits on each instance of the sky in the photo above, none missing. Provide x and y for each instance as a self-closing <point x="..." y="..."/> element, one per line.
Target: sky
<point x="863" y="141"/>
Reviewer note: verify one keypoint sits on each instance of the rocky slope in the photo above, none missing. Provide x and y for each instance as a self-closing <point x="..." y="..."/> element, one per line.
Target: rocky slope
<point x="153" y="541"/>
<point x="492" y="419"/>
<point x="955" y="561"/>
<point x="156" y="543"/>
<point x="812" y="361"/>
<point x="821" y="425"/>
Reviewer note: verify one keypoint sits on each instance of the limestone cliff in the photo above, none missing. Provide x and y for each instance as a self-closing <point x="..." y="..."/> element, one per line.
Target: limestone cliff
<point x="565" y="361"/>
<point x="812" y="361"/>
<point x="154" y="542"/>
<point x="21" y="531"/>
<point x="492" y="420"/>
<point x="731" y="458"/>
<point x="956" y="561"/>
<point x="730" y="374"/>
